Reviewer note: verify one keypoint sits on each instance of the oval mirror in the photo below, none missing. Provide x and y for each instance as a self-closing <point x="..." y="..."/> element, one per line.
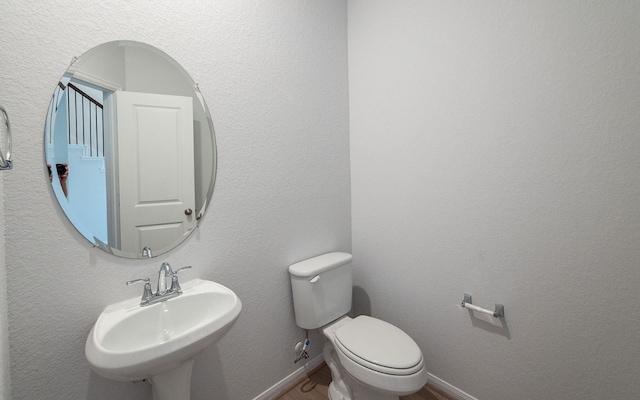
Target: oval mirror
<point x="130" y="149"/>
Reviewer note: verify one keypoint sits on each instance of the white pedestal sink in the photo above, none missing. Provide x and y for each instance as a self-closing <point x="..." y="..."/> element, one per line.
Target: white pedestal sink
<point x="160" y="341"/>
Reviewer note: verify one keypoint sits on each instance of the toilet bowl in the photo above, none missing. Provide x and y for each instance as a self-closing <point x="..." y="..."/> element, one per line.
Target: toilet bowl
<point x="377" y="360"/>
<point x="370" y="359"/>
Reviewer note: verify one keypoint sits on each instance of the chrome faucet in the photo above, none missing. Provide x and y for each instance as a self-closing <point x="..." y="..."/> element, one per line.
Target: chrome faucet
<point x="163" y="274"/>
<point x="162" y="293"/>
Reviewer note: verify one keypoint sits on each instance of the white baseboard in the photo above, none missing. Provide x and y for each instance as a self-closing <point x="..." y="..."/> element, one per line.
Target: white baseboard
<point x="290" y="381"/>
<point x="448" y="389"/>
<point x="298" y="375"/>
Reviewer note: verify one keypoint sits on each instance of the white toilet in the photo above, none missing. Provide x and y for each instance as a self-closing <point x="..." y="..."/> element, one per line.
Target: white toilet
<point x="369" y="359"/>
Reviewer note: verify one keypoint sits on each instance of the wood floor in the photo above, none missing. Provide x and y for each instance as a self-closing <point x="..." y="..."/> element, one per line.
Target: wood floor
<point x="316" y="385"/>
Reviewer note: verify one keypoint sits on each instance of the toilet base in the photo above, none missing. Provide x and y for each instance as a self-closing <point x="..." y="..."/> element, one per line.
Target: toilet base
<point x="334" y="394"/>
<point x="359" y="393"/>
<point x="345" y="387"/>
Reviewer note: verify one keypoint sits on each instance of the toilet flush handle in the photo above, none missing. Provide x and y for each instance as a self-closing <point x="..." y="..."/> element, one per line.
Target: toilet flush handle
<point x="314" y="279"/>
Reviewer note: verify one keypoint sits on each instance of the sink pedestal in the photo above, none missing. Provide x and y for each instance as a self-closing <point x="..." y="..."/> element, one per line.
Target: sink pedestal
<point x="173" y="385"/>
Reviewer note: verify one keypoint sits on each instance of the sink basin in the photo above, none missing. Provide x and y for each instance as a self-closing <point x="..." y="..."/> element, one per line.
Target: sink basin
<point x="129" y="342"/>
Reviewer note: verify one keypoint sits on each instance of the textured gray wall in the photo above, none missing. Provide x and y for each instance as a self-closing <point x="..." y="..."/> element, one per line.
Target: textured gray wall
<point x="274" y="75"/>
<point x="5" y="384"/>
<point x="495" y="151"/>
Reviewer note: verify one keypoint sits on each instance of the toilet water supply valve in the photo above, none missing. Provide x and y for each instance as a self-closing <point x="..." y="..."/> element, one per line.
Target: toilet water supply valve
<point x="302" y="348"/>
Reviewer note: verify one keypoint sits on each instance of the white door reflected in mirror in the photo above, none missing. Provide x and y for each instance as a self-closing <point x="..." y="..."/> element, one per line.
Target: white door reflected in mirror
<point x="155" y="179"/>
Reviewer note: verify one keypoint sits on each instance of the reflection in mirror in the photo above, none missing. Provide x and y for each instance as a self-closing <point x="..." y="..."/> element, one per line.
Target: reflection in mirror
<point x="130" y="149"/>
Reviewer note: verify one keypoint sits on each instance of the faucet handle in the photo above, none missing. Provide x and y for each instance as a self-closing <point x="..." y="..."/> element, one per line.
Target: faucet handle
<point x="180" y="269"/>
<point x="147" y="294"/>
<point x="175" y="285"/>
<point x="145" y="280"/>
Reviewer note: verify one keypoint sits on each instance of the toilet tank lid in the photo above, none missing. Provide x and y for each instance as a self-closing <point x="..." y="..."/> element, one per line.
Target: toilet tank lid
<point x="316" y="265"/>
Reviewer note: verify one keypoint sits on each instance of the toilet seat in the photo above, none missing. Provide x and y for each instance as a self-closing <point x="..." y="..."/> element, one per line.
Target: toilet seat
<point x="379" y="346"/>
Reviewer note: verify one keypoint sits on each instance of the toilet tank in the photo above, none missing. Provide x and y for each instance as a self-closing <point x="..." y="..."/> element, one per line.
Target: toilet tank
<point x="322" y="288"/>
